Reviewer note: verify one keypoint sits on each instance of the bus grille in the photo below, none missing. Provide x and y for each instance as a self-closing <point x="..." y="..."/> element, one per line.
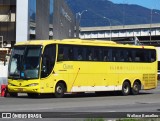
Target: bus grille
<point x="149" y="80"/>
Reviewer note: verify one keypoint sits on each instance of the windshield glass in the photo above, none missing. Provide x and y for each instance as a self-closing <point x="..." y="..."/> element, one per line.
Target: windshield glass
<point x="25" y="62"/>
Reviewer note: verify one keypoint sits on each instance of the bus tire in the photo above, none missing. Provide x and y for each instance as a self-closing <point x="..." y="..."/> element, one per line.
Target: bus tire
<point x="59" y="90"/>
<point x="126" y="88"/>
<point x="135" y="89"/>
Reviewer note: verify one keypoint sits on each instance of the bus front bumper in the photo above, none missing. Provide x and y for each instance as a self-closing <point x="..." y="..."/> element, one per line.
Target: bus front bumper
<point x="23" y="89"/>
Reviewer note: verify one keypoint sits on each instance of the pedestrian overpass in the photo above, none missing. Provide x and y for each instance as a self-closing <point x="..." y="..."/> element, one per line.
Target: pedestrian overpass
<point x="148" y="34"/>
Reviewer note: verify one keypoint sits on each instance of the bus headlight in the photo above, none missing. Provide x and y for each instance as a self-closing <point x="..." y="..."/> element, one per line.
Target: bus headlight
<point x="10" y="84"/>
<point x="34" y="84"/>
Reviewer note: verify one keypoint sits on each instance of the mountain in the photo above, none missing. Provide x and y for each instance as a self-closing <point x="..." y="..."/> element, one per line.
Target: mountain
<point x="105" y="12"/>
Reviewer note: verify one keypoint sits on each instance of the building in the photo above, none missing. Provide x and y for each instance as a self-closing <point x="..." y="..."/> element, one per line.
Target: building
<point x="7" y="22"/>
<point x="51" y="19"/>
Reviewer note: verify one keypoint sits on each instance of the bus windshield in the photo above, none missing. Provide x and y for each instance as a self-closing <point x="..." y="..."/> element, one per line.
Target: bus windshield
<point x="25" y="62"/>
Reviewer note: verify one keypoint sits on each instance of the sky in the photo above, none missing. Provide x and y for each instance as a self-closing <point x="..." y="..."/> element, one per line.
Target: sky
<point x="151" y="4"/>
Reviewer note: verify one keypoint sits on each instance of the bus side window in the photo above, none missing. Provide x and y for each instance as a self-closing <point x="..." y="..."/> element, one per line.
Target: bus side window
<point x="48" y="60"/>
<point x="133" y="55"/>
<point x="61" y="54"/>
<point x="79" y="56"/>
<point x="137" y="56"/>
<point x="96" y="54"/>
<point x="70" y="54"/>
<point x="105" y="58"/>
<point x="90" y="56"/>
<point x="121" y="56"/>
<point x="127" y="55"/>
<point x="113" y="56"/>
<point x="146" y="56"/>
<point x="101" y="56"/>
<point x="106" y="55"/>
<point x="109" y="54"/>
<point x="130" y="58"/>
<point x="153" y="55"/>
<point x="78" y="53"/>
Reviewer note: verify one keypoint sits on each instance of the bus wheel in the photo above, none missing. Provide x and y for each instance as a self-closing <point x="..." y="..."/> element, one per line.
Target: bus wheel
<point x="59" y="90"/>
<point x="135" y="89"/>
<point x="126" y="88"/>
<point x="13" y="94"/>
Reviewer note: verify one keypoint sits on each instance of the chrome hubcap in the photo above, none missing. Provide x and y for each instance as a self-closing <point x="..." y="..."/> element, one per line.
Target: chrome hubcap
<point x="135" y="87"/>
<point x="59" y="89"/>
<point x="126" y="89"/>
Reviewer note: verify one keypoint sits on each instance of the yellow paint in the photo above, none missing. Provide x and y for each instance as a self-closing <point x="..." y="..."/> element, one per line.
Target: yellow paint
<point x="77" y="74"/>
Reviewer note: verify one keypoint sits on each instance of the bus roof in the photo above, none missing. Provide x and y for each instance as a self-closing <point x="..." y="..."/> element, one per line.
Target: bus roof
<point x="81" y="42"/>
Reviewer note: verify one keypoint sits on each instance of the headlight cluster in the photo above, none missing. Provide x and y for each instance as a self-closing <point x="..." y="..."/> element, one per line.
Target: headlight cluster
<point x="34" y="84"/>
<point x="30" y="85"/>
<point x="11" y="84"/>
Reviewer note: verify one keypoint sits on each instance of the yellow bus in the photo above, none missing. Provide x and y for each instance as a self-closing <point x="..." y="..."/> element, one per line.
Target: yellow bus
<point x="74" y="65"/>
